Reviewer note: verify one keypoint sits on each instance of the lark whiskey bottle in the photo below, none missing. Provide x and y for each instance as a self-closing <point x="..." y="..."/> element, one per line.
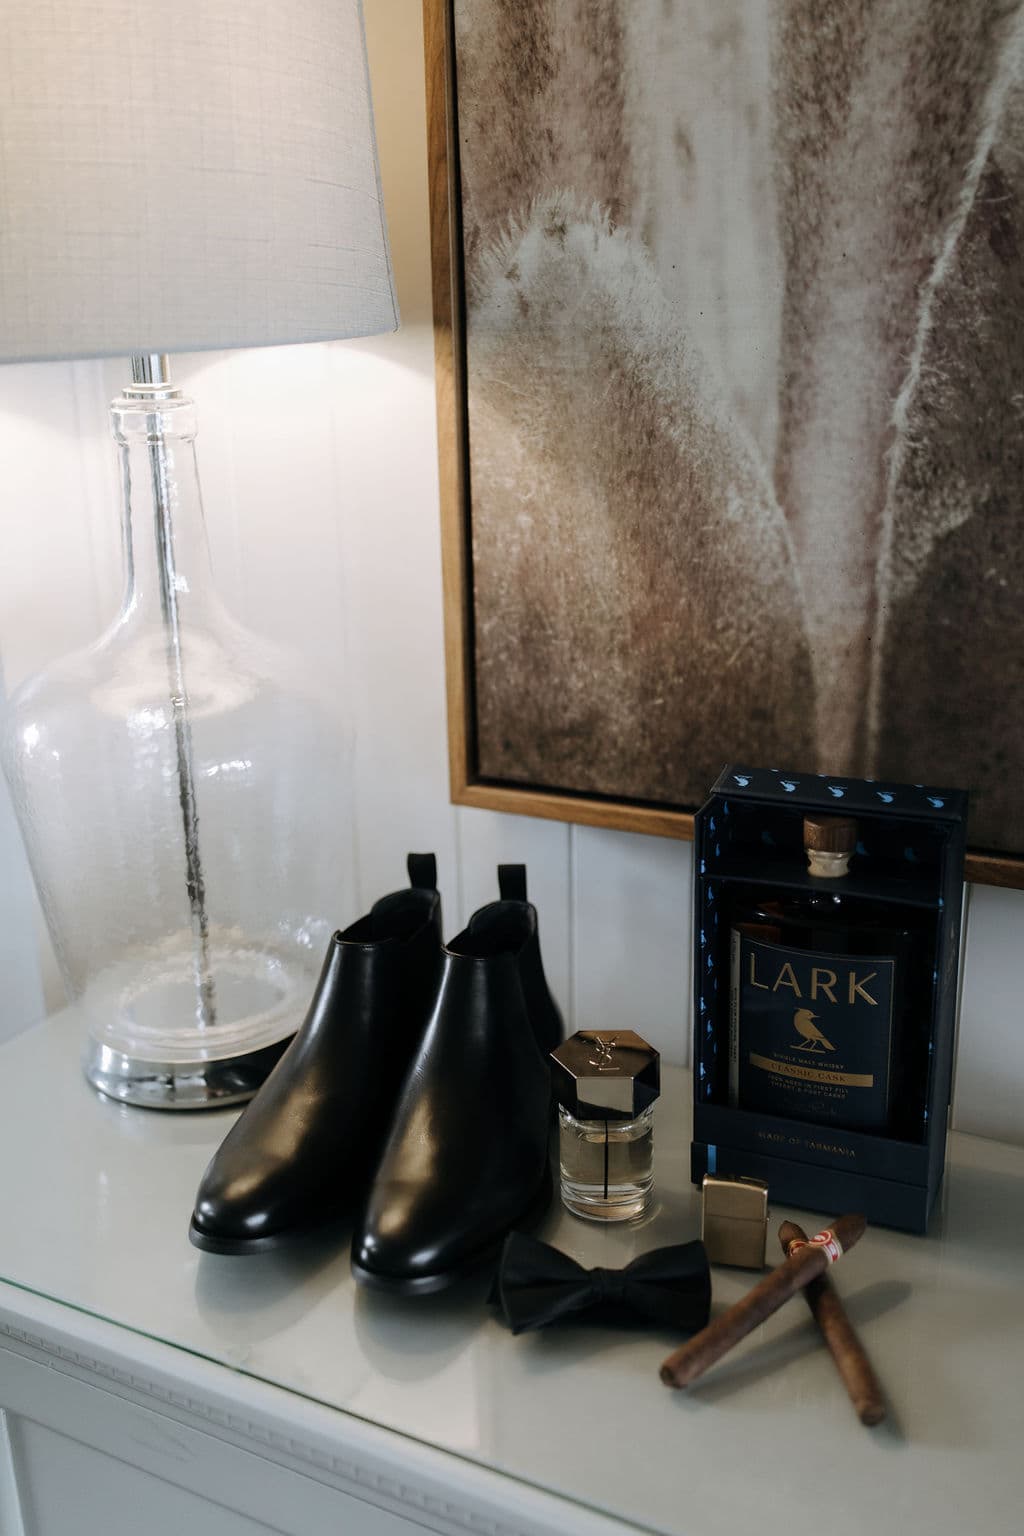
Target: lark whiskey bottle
<point x="828" y="998"/>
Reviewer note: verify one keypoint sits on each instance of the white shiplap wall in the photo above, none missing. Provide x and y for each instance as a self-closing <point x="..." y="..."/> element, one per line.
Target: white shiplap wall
<point x="320" y="480"/>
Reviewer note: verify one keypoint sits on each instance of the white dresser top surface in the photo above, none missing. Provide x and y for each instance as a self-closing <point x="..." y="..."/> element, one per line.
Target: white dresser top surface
<point x="95" y="1200"/>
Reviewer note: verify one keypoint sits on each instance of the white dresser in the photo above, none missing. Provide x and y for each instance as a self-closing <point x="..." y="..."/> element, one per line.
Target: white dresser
<point x="146" y="1388"/>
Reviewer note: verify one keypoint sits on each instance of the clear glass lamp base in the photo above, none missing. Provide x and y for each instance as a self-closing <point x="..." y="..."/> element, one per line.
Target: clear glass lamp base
<point x="175" y="785"/>
<point x="148" y="1045"/>
<point x="165" y="1085"/>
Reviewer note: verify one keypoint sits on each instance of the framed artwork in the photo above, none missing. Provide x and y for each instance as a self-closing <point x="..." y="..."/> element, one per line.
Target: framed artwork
<point x="729" y="304"/>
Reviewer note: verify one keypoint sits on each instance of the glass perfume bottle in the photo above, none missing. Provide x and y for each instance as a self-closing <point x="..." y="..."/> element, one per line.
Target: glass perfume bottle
<point x="828" y="988"/>
<point x="606" y="1082"/>
<point x="175" y="784"/>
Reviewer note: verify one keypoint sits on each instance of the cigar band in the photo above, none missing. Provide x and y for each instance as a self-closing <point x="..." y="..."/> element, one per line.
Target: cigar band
<point x="826" y="1240"/>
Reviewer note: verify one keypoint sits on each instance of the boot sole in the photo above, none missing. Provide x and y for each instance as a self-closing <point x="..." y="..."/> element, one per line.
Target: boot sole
<point x="427" y="1285"/>
<point x="209" y="1242"/>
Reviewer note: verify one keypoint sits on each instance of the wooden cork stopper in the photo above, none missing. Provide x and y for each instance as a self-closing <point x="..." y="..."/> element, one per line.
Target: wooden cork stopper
<point x="830" y="834"/>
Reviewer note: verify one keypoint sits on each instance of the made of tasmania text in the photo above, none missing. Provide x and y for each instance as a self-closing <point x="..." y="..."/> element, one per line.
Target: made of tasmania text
<point x="823" y="983"/>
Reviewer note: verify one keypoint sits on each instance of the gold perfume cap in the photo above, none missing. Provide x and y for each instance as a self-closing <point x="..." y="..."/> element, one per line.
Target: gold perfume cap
<point x="830" y="834"/>
<point x="606" y="1074"/>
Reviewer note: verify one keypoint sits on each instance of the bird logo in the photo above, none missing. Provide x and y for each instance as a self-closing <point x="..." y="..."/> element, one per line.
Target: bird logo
<point x="803" y="1023"/>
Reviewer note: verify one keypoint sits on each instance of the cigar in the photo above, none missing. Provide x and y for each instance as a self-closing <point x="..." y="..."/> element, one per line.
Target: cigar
<point x="795" y="1272"/>
<point x="837" y="1331"/>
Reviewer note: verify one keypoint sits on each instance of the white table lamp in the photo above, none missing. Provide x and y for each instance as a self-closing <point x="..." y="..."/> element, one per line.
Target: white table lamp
<point x="180" y="178"/>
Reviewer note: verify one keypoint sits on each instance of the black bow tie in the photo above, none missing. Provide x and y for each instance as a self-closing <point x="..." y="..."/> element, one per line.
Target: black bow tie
<point x="536" y="1285"/>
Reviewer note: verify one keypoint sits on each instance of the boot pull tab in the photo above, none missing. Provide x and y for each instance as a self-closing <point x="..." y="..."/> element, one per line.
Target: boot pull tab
<point x="422" y="869"/>
<point x="512" y="882"/>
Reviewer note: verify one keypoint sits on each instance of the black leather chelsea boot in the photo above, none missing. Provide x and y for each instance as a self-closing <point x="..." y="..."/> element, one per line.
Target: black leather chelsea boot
<point x="468" y="1154"/>
<point x="303" y="1151"/>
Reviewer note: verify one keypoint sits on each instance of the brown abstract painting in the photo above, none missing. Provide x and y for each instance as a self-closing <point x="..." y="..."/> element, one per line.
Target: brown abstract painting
<point x="743" y="392"/>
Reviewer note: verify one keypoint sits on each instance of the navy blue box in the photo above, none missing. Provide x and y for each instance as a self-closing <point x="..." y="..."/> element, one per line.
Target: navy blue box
<point x="750" y="831"/>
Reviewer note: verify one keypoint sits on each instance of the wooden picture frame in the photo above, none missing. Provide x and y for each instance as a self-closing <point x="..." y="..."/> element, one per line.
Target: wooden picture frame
<point x="467" y="785"/>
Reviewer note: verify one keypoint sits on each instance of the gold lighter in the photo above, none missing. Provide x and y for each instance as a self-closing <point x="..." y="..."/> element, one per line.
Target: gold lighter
<point x="734" y="1221"/>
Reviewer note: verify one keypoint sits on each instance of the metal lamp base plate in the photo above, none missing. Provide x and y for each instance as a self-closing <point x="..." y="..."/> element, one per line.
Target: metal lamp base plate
<point x="189" y="1085"/>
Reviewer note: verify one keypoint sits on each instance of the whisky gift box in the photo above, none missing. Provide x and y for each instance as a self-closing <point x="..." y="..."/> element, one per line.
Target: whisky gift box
<point x="825" y="1002"/>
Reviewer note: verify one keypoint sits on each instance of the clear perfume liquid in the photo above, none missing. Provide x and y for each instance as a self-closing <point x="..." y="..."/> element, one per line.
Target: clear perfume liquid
<point x="607" y="1166"/>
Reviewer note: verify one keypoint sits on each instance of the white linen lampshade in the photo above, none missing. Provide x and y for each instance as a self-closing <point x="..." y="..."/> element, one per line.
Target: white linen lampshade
<point x="188" y="176"/>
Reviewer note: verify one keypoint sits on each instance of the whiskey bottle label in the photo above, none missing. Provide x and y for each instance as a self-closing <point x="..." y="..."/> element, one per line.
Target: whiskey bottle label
<point x="810" y="1034"/>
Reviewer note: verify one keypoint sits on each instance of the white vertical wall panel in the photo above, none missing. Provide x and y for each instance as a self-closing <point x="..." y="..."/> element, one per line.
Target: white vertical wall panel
<point x="49" y="602"/>
<point x="384" y="436"/>
<point x="21" y="952"/>
<point x="96" y="502"/>
<point x="320" y="479"/>
<point x="21" y="995"/>
<point x="267" y="459"/>
<point x="387" y="541"/>
<point x="487" y="839"/>
<point x="53" y="598"/>
<point x="631" y="907"/>
<point x="989" y="1097"/>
